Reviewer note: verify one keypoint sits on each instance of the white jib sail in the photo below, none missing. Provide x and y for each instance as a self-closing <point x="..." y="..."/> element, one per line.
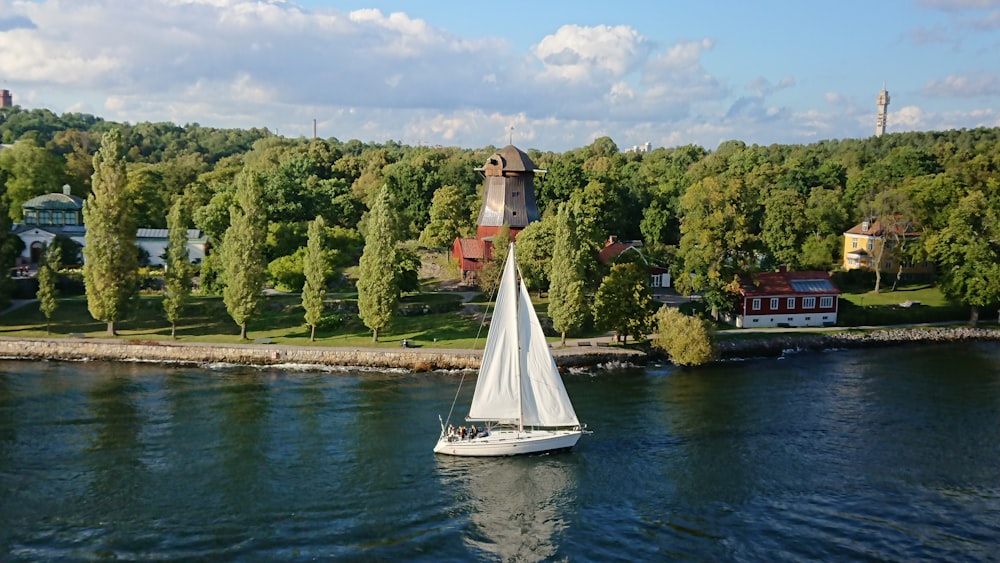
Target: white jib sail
<point x="516" y="362"/>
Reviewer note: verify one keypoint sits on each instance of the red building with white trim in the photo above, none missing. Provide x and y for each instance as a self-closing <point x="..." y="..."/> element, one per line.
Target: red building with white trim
<point x="787" y="299"/>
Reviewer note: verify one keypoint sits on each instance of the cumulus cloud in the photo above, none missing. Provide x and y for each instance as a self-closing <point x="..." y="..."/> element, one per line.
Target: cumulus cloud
<point x="578" y="54"/>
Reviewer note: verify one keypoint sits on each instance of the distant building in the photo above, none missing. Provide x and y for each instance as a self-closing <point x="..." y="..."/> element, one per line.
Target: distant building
<point x="613" y="248"/>
<point x="61" y="214"/>
<point x="864" y="242"/>
<point x="641" y="149"/>
<point x="883" y="112"/>
<point x="6" y="99"/>
<point x="787" y="299"/>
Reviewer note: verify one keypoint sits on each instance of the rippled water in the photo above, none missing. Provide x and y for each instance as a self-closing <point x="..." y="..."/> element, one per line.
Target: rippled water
<point x="877" y="454"/>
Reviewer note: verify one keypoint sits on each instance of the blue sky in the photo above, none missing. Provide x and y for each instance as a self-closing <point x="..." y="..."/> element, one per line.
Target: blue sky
<point x="560" y="73"/>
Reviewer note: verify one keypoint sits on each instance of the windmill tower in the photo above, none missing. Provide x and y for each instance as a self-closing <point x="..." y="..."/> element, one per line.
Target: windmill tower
<point x="509" y="197"/>
<point x="883" y="105"/>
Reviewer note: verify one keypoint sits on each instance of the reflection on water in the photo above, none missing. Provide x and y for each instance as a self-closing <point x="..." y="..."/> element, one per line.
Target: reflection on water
<point x="886" y="454"/>
<point x="518" y="505"/>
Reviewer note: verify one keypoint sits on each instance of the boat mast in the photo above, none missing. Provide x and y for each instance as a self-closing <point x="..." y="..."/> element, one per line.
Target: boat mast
<point x="517" y="328"/>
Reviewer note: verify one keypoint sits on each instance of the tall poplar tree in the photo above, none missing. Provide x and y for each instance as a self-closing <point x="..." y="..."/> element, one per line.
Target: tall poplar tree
<point x="315" y="271"/>
<point x="48" y="294"/>
<point x="243" y="260"/>
<point x="378" y="285"/>
<point x="568" y="306"/>
<point x="111" y="257"/>
<point x="177" y="275"/>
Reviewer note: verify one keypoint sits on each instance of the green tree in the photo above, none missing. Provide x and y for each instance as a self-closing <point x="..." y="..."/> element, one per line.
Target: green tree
<point x="568" y="307"/>
<point x="111" y="257"/>
<point x="534" y="252"/>
<point x="48" y="294"/>
<point x="719" y="238"/>
<point x="967" y="251"/>
<point x="688" y="340"/>
<point x="288" y="272"/>
<point x="30" y="171"/>
<point x="315" y="273"/>
<point x="449" y="218"/>
<point x="624" y="302"/>
<point x="378" y="286"/>
<point x="244" y="267"/>
<point x="785" y="229"/>
<point x="177" y="271"/>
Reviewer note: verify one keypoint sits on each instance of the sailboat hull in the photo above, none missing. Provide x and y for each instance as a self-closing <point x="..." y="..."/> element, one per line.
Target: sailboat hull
<point x="509" y="442"/>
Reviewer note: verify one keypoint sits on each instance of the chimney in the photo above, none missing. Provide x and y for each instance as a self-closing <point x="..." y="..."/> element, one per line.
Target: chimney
<point x="611" y="240"/>
<point x="66" y="189"/>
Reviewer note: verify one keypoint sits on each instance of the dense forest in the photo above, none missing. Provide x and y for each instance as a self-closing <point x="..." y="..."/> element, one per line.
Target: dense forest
<point x="710" y="215"/>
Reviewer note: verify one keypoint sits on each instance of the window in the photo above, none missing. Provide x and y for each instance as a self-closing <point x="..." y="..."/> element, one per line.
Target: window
<point x="70" y="218"/>
<point x="756" y="304"/>
<point x="44" y="217"/>
<point x="791" y="302"/>
<point x="30" y="217"/>
<point x="774" y="303"/>
<point x="854" y="242"/>
<point x="826" y="302"/>
<point x="871" y="244"/>
<point x="808" y="302"/>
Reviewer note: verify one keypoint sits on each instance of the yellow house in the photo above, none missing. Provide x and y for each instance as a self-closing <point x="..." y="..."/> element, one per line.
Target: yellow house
<point x="864" y="242"/>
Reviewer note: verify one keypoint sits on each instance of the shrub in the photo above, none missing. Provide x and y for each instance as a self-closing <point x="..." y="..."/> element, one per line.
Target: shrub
<point x="688" y="340"/>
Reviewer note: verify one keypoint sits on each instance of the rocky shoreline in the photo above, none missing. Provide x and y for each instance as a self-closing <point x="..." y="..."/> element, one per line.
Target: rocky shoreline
<point x="729" y="348"/>
<point x="420" y="359"/>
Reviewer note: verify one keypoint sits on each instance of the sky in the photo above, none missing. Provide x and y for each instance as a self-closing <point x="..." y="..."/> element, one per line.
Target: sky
<point x="550" y="75"/>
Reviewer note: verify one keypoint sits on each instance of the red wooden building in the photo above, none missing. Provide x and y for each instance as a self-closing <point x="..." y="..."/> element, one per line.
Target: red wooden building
<point x="783" y="298"/>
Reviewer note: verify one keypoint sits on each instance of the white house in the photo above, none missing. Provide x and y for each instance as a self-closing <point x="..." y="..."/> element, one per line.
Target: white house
<point x="61" y="214"/>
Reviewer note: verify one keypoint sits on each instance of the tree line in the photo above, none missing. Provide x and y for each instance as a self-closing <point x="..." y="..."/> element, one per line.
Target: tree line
<point x="711" y="216"/>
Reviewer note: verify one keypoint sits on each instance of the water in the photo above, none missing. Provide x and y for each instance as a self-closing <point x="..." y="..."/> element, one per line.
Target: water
<point x="890" y="454"/>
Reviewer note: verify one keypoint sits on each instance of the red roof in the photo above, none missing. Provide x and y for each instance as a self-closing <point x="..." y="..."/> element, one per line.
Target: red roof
<point x="611" y="251"/>
<point x="790" y="283"/>
<point x="473" y="249"/>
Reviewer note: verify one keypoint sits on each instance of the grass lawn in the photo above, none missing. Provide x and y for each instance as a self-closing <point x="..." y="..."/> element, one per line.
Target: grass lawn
<point x="280" y="319"/>
<point x="918" y="303"/>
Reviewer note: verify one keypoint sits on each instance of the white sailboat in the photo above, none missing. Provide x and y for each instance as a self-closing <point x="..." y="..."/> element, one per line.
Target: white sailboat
<point x="520" y="398"/>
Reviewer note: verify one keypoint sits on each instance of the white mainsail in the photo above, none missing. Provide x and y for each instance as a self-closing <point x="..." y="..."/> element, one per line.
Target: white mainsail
<point x="518" y="379"/>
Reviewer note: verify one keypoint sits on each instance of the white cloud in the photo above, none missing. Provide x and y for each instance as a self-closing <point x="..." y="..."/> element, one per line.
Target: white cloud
<point x="577" y="54"/>
<point x="974" y="84"/>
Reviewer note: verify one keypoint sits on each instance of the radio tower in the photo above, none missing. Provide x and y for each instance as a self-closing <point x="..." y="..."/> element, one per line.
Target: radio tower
<point x="883" y="104"/>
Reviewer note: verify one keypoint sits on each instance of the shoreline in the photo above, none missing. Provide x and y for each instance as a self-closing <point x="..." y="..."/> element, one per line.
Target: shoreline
<point x="254" y="354"/>
<point x="431" y="359"/>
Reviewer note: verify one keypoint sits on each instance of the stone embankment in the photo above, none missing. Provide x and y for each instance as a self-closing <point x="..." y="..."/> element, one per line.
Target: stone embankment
<point x="416" y="359"/>
<point x="428" y="359"/>
<point x="727" y="348"/>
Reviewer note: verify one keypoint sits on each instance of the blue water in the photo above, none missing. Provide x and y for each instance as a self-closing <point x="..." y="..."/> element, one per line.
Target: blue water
<point x="887" y="454"/>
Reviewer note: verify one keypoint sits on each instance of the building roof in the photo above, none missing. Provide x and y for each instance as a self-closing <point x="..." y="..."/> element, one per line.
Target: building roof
<point x="515" y="160"/>
<point x="874" y="229"/>
<point x="54" y="200"/>
<point x="613" y="248"/>
<point x="789" y="283"/>
<point x="472" y="249"/>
